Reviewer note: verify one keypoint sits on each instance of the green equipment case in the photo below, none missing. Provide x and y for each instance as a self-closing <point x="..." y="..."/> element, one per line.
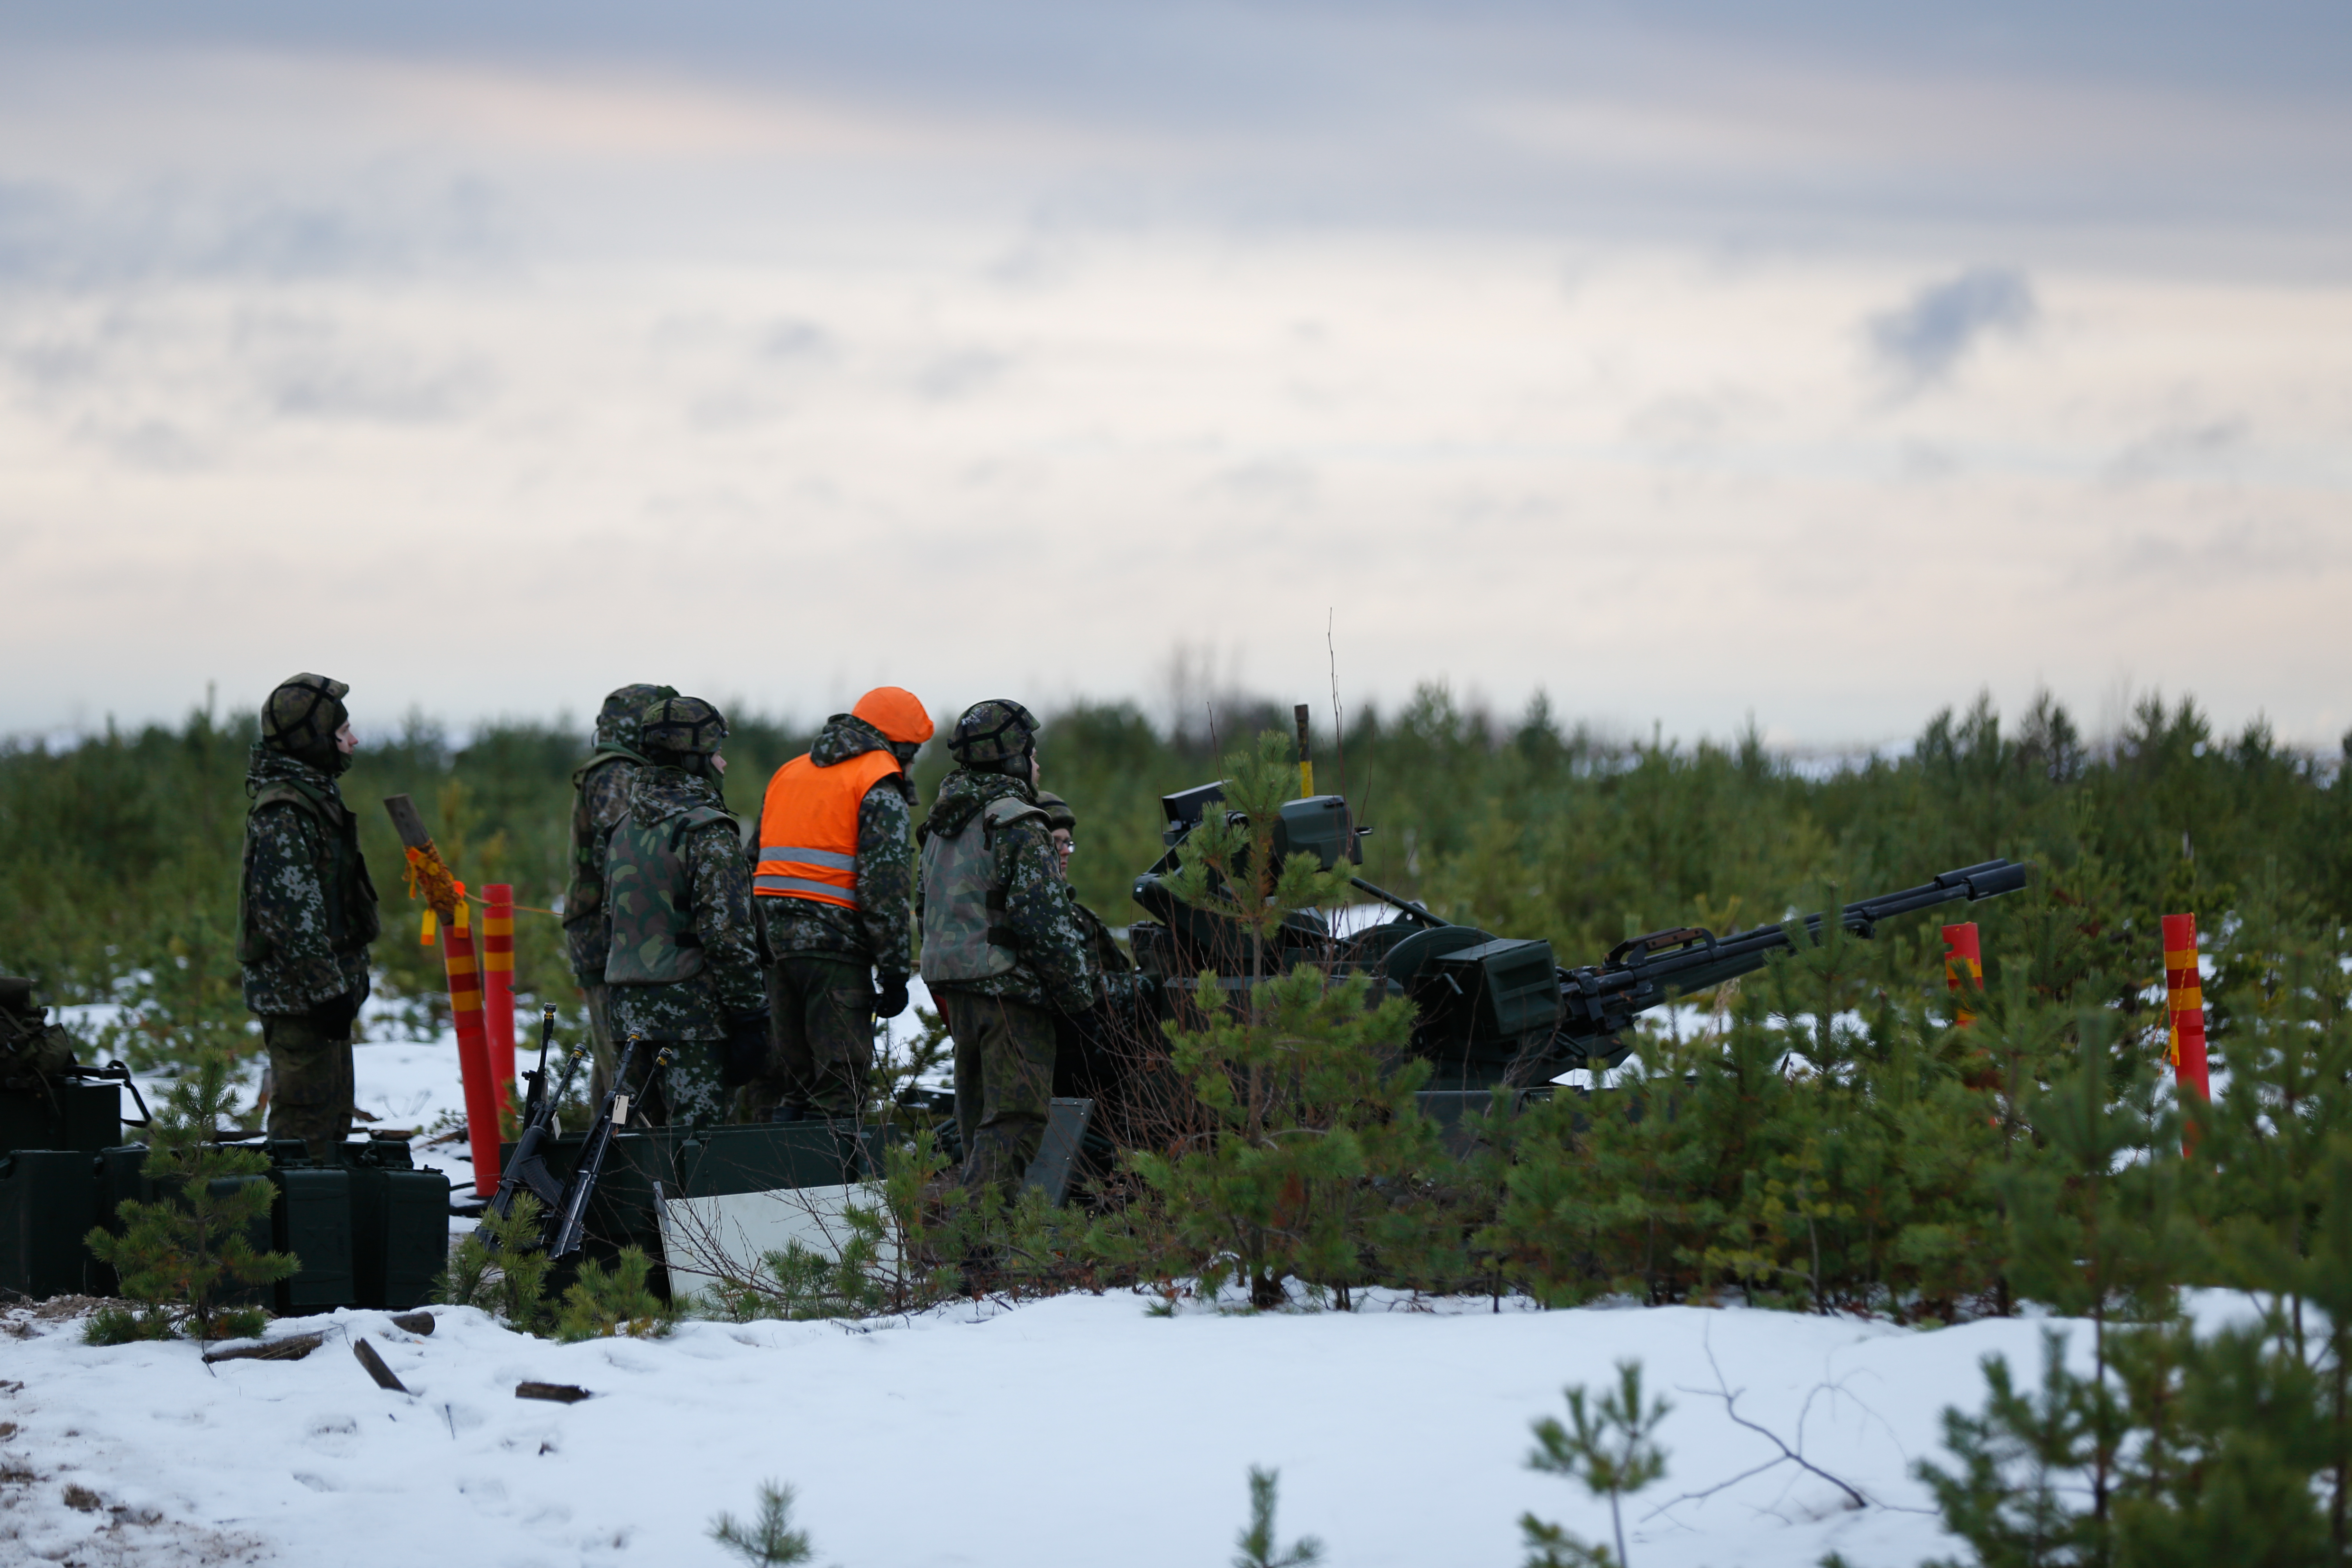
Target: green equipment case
<point x="312" y="1220"/>
<point x="45" y="1209"/>
<point x="400" y="1225"/>
<point x="86" y="1117"/>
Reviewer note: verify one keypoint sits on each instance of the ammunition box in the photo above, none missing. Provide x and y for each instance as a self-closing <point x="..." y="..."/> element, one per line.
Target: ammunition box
<point x="400" y="1236"/>
<point x="1515" y="983"/>
<point x="312" y="1220"/>
<point x="47" y="1204"/>
<point x="87" y="1117"/>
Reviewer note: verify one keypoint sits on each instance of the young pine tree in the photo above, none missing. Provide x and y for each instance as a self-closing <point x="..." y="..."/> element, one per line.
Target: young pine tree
<point x="1613" y="1448"/>
<point x="188" y="1257"/>
<point x="1259" y="1545"/>
<point x="1309" y="1104"/>
<point x="769" y="1539"/>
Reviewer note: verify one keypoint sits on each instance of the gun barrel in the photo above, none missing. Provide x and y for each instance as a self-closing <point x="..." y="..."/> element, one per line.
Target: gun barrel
<point x="1599" y="1000"/>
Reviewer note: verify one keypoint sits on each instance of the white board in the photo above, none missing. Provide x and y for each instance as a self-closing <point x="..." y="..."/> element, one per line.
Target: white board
<point x="707" y="1240"/>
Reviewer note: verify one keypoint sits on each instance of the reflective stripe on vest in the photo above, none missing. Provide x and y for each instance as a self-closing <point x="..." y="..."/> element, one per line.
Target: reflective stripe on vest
<point x="808" y="829"/>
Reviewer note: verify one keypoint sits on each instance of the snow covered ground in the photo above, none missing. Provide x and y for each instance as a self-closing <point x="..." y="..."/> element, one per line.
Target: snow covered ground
<point x="1077" y="1431"/>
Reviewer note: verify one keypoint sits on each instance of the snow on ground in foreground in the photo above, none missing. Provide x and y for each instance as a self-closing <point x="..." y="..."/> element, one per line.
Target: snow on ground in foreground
<point x="1077" y="1431"/>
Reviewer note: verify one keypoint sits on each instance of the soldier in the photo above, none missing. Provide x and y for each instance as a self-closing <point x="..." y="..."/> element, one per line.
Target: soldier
<point x="600" y="798"/>
<point x="1092" y="1047"/>
<point x="682" y="963"/>
<point x="306" y="911"/>
<point x="1003" y="943"/>
<point x="835" y="889"/>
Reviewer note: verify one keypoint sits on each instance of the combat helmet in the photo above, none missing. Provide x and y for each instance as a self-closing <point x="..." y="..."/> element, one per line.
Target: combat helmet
<point x="624" y="710"/>
<point x="301" y="716"/>
<point x="896" y="713"/>
<point x="682" y="724"/>
<point x="991" y="733"/>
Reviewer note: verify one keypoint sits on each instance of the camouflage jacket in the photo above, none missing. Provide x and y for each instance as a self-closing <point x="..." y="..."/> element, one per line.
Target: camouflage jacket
<point x="879" y="930"/>
<point x="600" y="798"/>
<point x="718" y="896"/>
<point x="1056" y="965"/>
<point x="306" y="909"/>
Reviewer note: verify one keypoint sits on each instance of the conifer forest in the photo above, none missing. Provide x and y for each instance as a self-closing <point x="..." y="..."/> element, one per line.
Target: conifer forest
<point x="1820" y="1137"/>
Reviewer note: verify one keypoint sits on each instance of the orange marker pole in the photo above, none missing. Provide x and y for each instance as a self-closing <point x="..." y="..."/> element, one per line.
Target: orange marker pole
<point x="2184" y="1001"/>
<point x="473" y="1049"/>
<point x="445" y="897"/>
<point x="498" y="984"/>
<point x="1963" y="962"/>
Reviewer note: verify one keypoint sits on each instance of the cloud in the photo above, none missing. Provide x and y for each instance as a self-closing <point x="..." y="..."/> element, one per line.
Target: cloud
<point x="2179" y="451"/>
<point x="1923" y="341"/>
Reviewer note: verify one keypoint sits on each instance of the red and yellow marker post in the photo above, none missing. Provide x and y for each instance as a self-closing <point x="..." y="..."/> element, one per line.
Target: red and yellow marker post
<point x="445" y="897"/>
<point x="2184" y="1002"/>
<point x="1963" y="964"/>
<point x="498" y="983"/>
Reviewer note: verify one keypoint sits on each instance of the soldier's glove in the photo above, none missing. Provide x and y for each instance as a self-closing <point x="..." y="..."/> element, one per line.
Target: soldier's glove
<point x="746" y="1056"/>
<point x="890" y="996"/>
<point x="333" y="1016"/>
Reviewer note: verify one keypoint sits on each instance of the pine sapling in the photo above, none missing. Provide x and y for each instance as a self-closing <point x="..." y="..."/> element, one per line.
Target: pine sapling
<point x="187" y="1256"/>
<point x="505" y="1276"/>
<point x="1613" y="1448"/>
<point x="1258" y="1543"/>
<point x="601" y="1304"/>
<point x="769" y="1539"/>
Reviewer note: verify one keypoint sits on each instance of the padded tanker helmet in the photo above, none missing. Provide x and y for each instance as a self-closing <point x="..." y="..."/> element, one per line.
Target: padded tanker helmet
<point x="682" y="724"/>
<point x="303" y="714"/>
<point x="993" y="732"/>
<point x="625" y="711"/>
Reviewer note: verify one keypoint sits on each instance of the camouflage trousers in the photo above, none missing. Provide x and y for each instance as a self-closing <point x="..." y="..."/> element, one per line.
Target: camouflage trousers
<point x="820" y="1040"/>
<point x="688" y="1094"/>
<point x="1003" y="1084"/>
<point x="310" y="1082"/>
<point x="602" y="1052"/>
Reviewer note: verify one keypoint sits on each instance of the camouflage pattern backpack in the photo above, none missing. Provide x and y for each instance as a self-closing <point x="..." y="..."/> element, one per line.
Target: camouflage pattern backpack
<point x="649" y="890"/>
<point x="964" y="935"/>
<point x="32" y="1051"/>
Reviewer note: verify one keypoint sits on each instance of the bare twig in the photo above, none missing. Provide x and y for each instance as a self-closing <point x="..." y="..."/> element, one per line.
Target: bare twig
<point x="1796" y="1456"/>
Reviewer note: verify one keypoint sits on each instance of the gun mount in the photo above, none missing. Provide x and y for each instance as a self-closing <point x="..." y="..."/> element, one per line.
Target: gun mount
<point x="1492" y="1010"/>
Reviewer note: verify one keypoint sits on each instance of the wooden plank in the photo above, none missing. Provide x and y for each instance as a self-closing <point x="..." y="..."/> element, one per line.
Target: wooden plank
<point x="407" y="822"/>
<point x="292" y="1348"/>
<point x="383" y="1375"/>
<point x="561" y="1392"/>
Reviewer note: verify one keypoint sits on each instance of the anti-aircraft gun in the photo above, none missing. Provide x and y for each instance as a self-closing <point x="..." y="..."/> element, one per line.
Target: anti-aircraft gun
<point x="1492" y="1010"/>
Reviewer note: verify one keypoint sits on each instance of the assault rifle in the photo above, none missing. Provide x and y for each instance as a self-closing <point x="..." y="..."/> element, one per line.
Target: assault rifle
<point x="570" y="1217"/>
<point x="528" y="1168"/>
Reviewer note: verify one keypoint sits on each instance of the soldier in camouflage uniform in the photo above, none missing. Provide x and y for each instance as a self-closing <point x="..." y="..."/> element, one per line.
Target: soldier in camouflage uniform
<point x="600" y="798"/>
<point x="1004" y="946"/>
<point x="306" y="910"/>
<point x="681" y="961"/>
<point x="835" y="890"/>
<point x="1094" y="1049"/>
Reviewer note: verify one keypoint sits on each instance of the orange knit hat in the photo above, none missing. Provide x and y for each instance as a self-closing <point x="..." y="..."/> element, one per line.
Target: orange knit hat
<point x="894" y="710"/>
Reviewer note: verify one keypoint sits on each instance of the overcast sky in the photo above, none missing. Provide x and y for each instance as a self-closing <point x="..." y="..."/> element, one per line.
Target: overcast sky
<point x="1825" y="362"/>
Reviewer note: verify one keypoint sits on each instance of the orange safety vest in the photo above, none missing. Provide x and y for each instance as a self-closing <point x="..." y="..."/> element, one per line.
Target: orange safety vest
<point x="808" y="829"/>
